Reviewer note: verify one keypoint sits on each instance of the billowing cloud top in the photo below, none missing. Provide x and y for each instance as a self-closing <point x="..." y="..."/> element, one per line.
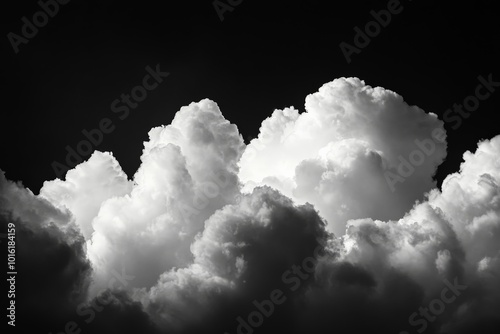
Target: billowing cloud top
<point x="329" y="221"/>
<point x="342" y="150"/>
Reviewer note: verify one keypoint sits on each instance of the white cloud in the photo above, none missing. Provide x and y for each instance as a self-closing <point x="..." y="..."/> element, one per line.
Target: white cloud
<point x="334" y="155"/>
<point x="86" y="187"/>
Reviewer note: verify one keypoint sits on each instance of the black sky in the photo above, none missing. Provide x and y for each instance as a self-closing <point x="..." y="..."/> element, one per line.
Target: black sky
<point x="264" y="55"/>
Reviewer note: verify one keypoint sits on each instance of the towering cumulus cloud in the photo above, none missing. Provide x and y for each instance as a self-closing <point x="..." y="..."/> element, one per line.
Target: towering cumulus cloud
<point x="328" y="222"/>
<point x="345" y="150"/>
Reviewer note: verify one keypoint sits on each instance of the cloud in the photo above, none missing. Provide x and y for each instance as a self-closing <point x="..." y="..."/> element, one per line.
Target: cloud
<point x="86" y="187"/>
<point x="397" y="267"/>
<point x="336" y="153"/>
<point x="242" y="252"/>
<point x="208" y="230"/>
<point x="53" y="271"/>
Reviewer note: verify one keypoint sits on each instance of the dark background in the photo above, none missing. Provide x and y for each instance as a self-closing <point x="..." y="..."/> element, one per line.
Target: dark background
<point x="264" y="55"/>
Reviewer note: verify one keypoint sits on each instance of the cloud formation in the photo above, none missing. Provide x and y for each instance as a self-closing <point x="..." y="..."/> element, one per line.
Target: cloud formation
<point x="209" y="230"/>
<point x="337" y="152"/>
